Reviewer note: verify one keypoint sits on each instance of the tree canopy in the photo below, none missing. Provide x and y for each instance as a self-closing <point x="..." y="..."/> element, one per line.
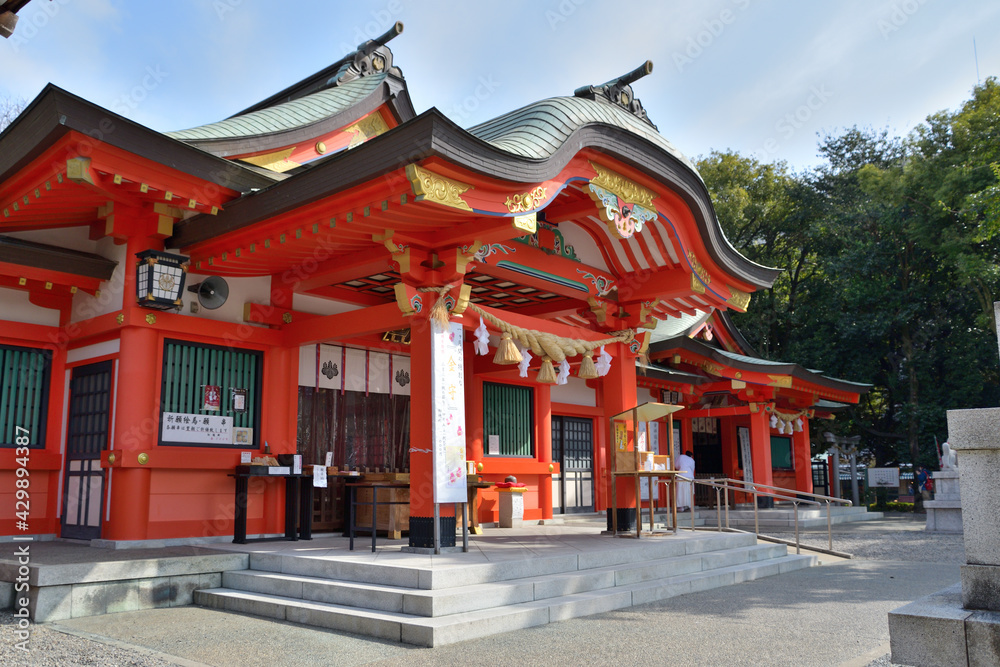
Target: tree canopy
<point x="890" y="254"/>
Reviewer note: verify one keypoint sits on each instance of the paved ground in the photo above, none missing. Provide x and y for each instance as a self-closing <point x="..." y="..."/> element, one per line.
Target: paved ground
<point x="829" y="615"/>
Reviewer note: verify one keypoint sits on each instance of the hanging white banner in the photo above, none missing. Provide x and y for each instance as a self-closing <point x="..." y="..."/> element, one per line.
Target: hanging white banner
<point x="448" y="396"/>
<point x="744" y="437"/>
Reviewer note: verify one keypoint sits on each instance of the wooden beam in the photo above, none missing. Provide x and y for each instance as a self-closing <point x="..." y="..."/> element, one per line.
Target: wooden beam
<point x="259" y="313"/>
<point x="31" y="273"/>
<point x="570" y="211"/>
<point x="376" y="319"/>
<point x="350" y="296"/>
<point x="484" y="230"/>
<point x="557" y="328"/>
<point x="655" y="285"/>
<point x="343" y="268"/>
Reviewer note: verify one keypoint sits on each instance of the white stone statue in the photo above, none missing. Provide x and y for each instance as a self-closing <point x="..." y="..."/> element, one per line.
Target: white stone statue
<point x="949" y="459"/>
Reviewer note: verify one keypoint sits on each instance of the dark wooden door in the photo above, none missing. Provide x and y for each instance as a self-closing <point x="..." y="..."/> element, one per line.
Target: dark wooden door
<point x="86" y="436"/>
<point x="573" y="450"/>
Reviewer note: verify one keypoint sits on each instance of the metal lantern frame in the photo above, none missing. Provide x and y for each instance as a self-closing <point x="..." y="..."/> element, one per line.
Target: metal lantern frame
<point x="159" y="279"/>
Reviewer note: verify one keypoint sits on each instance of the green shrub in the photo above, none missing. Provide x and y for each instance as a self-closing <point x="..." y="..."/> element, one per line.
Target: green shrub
<point x="891" y="507"/>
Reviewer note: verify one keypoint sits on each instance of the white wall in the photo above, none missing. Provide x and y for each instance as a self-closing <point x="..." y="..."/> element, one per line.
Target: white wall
<point x="574" y="392"/>
<point x="15" y="307"/>
<point x="93" y="351"/>
<point x="583" y="244"/>
<point x="86" y="306"/>
<point x="319" y="306"/>
<point x="643" y="395"/>
<point x="73" y="238"/>
<point x="241" y="291"/>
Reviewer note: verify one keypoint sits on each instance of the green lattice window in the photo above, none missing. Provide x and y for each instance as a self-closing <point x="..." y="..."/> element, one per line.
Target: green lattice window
<point x="188" y="368"/>
<point x="781" y="453"/>
<point x="508" y="413"/>
<point x="24" y="394"/>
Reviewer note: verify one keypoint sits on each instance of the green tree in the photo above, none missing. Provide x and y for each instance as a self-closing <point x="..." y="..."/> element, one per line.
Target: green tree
<point x="890" y="252"/>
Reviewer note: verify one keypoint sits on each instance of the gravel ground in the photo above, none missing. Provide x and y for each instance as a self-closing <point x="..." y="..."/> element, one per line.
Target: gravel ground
<point x="895" y="538"/>
<point x="51" y="648"/>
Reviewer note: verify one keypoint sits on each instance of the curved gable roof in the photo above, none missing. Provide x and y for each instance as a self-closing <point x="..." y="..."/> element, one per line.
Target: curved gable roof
<point x="287" y="116"/>
<point x="539" y="129"/>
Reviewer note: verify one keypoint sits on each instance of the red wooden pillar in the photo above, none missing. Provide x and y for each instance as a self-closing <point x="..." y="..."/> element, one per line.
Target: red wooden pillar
<point x="620" y="395"/>
<point x="760" y="449"/>
<point x="136" y="426"/>
<point x="803" y="459"/>
<point x="422" y="444"/>
<point x="279" y="424"/>
<point x="602" y="465"/>
<point x="543" y="436"/>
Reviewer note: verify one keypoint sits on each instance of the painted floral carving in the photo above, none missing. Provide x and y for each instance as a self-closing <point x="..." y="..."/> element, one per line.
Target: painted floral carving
<point x="602" y="284"/>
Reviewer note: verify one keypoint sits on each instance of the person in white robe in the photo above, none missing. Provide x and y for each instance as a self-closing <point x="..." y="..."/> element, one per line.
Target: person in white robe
<point x="685" y="489"/>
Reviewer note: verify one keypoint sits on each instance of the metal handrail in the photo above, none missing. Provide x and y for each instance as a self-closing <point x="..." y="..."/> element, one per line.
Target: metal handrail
<point x="781" y="488"/>
<point x="728" y="484"/>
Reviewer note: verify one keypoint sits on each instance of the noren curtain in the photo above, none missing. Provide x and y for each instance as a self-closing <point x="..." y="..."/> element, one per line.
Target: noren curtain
<point x="370" y="431"/>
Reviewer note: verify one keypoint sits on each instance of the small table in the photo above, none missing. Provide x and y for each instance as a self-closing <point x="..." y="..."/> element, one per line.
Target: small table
<point x="298" y="505"/>
<point x="374" y="503"/>
<point x="671" y="477"/>
<point x="474" y="487"/>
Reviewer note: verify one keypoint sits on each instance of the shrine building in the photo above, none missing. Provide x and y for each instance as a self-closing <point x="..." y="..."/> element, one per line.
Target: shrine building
<point x="323" y="271"/>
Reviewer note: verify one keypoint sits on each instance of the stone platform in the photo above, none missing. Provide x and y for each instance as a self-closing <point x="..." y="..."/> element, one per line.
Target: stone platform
<point x="937" y="631"/>
<point x="509" y="579"/>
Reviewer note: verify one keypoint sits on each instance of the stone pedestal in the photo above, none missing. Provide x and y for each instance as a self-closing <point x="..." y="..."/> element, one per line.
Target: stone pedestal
<point x="961" y="625"/>
<point x="977" y="441"/>
<point x="511" y="507"/>
<point x="944" y="513"/>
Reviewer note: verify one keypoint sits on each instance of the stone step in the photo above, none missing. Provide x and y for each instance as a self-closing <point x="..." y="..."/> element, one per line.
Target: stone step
<point x="442" y="602"/>
<point x="440" y="630"/>
<point x="385" y="573"/>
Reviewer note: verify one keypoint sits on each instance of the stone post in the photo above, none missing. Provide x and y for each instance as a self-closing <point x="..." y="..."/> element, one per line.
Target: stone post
<point x="975" y="435"/>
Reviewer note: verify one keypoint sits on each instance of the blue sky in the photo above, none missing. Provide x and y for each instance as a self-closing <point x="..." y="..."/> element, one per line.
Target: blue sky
<point x="758" y="77"/>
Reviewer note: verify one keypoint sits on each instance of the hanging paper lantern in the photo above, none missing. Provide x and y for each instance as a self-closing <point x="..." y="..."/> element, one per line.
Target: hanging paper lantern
<point x="563" y="376"/>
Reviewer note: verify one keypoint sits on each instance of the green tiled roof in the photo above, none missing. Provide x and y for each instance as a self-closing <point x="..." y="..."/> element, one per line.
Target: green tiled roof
<point x="671" y="327"/>
<point x="751" y="360"/>
<point x="287" y="116"/>
<point x="539" y="129"/>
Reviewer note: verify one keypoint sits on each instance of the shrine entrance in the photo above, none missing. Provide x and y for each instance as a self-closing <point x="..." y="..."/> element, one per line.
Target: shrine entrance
<point x="707" y="447"/>
<point x="573" y="450"/>
<point x="86" y="437"/>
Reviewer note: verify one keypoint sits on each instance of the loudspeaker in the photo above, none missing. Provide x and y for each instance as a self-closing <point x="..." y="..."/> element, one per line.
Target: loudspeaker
<point x="212" y="292"/>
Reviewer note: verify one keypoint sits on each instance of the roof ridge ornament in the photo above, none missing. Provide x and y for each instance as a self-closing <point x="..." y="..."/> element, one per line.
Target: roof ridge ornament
<point x="619" y="91"/>
<point x="371" y="57"/>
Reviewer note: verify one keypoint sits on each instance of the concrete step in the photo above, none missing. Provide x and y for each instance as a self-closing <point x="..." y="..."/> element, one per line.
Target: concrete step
<point x="445" y="601"/>
<point x="439" y="630"/>
<point x="378" y="573"/>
